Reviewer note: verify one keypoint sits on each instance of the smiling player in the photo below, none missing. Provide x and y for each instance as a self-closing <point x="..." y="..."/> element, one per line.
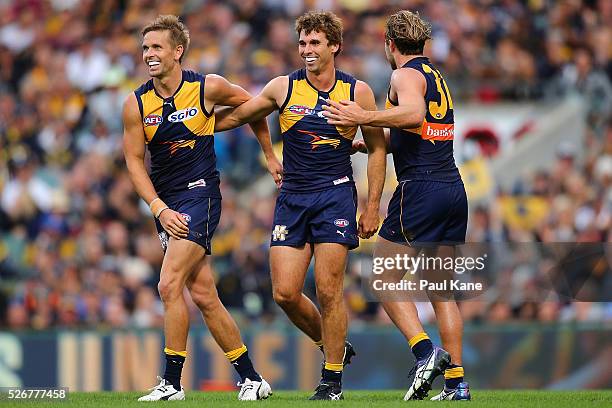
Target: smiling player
<point x="316" y="209"/>
<point x="173" y="115"/>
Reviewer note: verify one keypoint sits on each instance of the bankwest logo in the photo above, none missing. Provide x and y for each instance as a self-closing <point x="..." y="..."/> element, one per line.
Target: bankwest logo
<point x="437" y="131"/>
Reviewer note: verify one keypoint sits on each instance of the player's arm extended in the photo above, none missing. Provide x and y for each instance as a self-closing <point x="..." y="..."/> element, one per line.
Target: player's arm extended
<point x="134" y="152"/>
<point x="255" y="108"/>
<point x="377" y="162"/>
<point x="219" y="91"/>
<point x="248" y="109"/>
<point x="408" y="84"/>
<point x="359" y="146"/>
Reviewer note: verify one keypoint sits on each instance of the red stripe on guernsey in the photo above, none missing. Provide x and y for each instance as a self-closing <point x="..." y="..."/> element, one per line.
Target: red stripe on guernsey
<point x="437" y="131"/>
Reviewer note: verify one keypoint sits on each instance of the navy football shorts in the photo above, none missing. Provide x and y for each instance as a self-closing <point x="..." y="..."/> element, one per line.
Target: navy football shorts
<point x="317" y="217"/>
<point x="427" y="212"/>
<point x="202" y="215"/>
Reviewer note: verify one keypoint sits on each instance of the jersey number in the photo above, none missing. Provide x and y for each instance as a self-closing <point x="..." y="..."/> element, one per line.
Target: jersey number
<point x="438" y="110"/>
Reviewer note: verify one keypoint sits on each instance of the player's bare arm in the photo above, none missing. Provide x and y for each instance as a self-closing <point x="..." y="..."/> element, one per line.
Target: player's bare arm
<point x="220" y="91"/>
<point x="256" y="109"/>
<point x="407" y="87"/>
<point x="377" y="163"/>
<point x="359" y="146"/>
<point x="134" y="151"/>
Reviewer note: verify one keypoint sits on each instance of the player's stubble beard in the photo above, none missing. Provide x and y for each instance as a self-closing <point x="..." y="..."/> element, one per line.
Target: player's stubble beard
<point x="313" y="68"/>
<point x="166" y="65"/>
<point x="164" y="70"/>
<point x="323" y="63"/>
<point x="389" y="56"/>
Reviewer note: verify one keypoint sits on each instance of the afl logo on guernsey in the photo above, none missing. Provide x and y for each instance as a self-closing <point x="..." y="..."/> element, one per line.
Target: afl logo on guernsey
<point x="183" y="114"/>
<point x="301" y="110"/>
<point x="305" y="111"/>
<point x="152" y="120"/>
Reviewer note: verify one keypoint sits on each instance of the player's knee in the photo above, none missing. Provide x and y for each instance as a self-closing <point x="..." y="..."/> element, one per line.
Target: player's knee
<point x="169" y="289"/>
<point x="286" y="298"/>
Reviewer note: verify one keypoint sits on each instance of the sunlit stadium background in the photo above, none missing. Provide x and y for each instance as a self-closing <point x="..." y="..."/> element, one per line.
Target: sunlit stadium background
<point x="79" y="256"/>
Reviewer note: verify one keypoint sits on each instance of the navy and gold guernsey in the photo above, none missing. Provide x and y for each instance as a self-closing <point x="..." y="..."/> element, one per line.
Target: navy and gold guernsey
<point x="429" y="204"/>
<point x="426" y="152"/>
<point x="179" y="135"/>
<point x="315" y="154"/>
<point x="317" y="202"/>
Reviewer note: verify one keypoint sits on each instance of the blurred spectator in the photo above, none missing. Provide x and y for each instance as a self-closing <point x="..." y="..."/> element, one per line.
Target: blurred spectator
<point x="593" y="84"/>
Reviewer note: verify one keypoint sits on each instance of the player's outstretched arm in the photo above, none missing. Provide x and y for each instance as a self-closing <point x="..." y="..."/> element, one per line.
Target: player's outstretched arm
<point x="134" y="152"/>
<point x="254" y="110"/>
<point x="408" y="84"/>
<point x="359" y="146"/>
<point x="219" y="91"/>
<point x="377" y="163"/>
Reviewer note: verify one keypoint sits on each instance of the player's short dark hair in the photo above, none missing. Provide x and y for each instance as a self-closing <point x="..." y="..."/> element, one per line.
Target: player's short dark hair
<point x="324" y="22"/>
<point x="408" y="31"/>
<point x="179" y="35"/>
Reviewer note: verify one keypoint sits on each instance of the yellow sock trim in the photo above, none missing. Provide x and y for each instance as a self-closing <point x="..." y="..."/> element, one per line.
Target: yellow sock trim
<point x="455" y="372"/>
<point x="235" y="354"/>
<point x="334" y="367"/>
<point x="171" y="352"/>
<point x="318" y="343"/>
<point x="421" y="336"/>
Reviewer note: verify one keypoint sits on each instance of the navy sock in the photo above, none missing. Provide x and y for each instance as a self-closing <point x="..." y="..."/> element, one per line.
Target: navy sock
<point x="422" y="349"/>
<point x="174" y="367"/>
<point x="331" y="376"/>
<point x="244" y="367"/>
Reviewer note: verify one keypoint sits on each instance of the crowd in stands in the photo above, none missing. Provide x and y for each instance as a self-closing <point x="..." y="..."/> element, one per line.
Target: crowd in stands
<point x="79" y="249"/>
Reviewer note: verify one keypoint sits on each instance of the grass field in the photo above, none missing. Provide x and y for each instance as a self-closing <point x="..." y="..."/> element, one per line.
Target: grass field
<point x="559" y="399"/>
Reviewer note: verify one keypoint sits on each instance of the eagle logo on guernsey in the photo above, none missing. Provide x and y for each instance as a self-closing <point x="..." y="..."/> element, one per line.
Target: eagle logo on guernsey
<point x="152" y="120"/>
<point x="318" y="140"/>
<point x="174" y="146"/>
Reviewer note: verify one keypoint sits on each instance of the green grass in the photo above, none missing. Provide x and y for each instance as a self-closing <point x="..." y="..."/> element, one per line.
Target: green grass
<point x="519" y="398"/>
